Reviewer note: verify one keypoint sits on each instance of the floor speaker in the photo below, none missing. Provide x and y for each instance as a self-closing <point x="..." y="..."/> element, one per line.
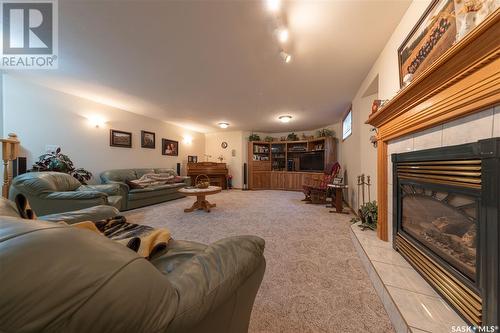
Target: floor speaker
<point x="18" y="166"/>
<point x="245" y="177"/>
<point x="178" y="169"/>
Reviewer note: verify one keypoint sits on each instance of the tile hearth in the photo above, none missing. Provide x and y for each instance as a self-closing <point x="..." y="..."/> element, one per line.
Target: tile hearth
<point x="411" y="303"/>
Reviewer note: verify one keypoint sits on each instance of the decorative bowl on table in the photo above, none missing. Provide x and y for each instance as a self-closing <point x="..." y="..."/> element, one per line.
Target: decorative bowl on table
<point x="202" y="181"/>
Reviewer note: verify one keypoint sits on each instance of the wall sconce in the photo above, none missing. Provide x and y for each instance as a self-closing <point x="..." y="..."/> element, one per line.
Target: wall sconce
<point x="96" y="121"/>
<point x="187" y="140"/>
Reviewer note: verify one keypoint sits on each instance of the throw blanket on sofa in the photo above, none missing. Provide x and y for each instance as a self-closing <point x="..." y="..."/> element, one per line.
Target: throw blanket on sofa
<point x="153" y="179"/>
<point x="144" y="240"/>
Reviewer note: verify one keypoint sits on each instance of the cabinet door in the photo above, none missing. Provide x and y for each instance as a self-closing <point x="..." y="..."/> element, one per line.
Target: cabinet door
<point x="277" y="180"/>
<point x="261" y="180"/>
<point x="293" y="181"/>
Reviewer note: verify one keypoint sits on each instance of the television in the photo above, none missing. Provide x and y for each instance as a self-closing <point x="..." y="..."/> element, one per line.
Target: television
<point x="312" y="161"/>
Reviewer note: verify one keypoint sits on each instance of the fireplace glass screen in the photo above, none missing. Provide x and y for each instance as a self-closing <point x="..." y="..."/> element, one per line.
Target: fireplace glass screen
<point x="444" y="222"/>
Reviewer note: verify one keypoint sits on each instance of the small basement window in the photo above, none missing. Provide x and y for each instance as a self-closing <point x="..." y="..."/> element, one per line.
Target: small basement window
<point x="347" y="125"/>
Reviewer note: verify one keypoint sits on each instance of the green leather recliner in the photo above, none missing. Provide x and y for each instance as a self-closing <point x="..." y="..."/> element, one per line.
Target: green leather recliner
<point x="57" y="278"/>
<point x="135" y="198"/>
<point x="55" y="192"/>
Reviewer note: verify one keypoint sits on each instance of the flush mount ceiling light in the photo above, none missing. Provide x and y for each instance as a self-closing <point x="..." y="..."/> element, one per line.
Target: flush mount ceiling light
<point x="273" y="5"/>
<point x="286" y="56"/>
<point x="223" y="125"/>
<point x="285" y="119"/>
<point x="283" y="35"/>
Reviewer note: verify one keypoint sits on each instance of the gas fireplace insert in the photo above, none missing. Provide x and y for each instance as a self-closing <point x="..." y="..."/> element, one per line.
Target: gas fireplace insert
<point x="446" y="223"/>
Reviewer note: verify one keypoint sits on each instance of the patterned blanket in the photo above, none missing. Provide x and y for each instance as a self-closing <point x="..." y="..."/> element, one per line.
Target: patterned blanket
<point x="144" y="240"/>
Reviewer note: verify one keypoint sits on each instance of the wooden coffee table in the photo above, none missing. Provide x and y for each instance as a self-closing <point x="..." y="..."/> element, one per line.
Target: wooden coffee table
<point x="201" y="202"/>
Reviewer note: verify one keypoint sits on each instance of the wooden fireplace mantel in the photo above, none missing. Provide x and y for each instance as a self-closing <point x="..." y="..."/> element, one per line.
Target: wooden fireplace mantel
<point x="464" y="80"/>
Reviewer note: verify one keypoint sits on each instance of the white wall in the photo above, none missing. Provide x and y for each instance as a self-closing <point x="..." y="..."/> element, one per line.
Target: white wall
<point x="236" y="142"/>
<point x="357" y="154"/>
<point x="41" y="116"/>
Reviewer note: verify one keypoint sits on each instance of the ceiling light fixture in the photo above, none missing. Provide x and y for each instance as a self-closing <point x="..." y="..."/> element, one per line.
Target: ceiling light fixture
<point x="287" y="57"/>
<point x="223" y="125"/>
<point x="285" y="119"/>
<point x="283" y="35"/>
<point x="273" y="5"/>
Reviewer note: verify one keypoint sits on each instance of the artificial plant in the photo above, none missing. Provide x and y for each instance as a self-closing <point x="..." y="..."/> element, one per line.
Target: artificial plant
<point x="56" y="161"/>
<point x="254" y="137"/>
<point x="325" y="132"/>
<point x="292" y="137"/>
<point x="368" y="215"/>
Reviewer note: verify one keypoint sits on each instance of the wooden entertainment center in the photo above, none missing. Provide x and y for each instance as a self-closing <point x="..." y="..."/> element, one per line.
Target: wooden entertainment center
<point x="276" y="165"/>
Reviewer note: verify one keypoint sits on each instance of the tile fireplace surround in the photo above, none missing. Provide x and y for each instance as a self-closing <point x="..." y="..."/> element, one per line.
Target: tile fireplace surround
<point x="411" y="303"/>
<point x="478" y="126"/>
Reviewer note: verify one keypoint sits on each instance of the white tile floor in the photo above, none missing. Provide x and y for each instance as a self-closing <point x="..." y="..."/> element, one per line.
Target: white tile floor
<point x="411" y="303"/>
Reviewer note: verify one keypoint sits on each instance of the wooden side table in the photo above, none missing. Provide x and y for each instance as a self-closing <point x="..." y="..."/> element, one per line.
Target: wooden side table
<point x="337" y="198"/>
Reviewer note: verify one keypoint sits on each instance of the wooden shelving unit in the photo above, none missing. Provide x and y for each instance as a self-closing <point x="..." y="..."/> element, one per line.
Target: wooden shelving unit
<point x="267" y="162"/>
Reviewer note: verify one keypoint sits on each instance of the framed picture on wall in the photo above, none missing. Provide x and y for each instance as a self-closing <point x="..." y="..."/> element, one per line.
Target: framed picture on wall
<point x="148" y="140"/>
<point x="192" y="159"/>
<point x="169" y="147"/>
<point x="433" y="35"/>
<point x="120" y="139"/>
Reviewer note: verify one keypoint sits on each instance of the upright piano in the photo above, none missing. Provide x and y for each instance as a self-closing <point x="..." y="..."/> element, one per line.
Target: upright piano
<point x="217" y="172"/>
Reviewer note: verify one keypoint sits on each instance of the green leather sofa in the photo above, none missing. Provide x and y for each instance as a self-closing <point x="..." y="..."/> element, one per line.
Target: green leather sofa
<point x="55" y="192"/>
<point x="56" y="278"/>
<point x="135" y="198"/>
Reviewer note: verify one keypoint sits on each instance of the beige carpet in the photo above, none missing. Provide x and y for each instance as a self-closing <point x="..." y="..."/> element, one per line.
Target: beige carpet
<point x="314" y="280"/>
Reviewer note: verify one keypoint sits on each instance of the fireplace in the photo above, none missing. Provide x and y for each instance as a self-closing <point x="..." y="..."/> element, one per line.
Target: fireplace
<point x="446" y="204"/>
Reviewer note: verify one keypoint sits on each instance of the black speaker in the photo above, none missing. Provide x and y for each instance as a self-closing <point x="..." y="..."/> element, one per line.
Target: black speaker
<point x="178" y="169"/>
<point x="245" y="186"/>
<point x="18" y="166"/>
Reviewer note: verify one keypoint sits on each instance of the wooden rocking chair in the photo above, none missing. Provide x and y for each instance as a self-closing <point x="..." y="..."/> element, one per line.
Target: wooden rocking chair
<point x="315" y="189"/>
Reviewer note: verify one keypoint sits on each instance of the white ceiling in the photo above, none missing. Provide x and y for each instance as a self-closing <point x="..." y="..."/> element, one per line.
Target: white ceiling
<point x="197" y="63"/>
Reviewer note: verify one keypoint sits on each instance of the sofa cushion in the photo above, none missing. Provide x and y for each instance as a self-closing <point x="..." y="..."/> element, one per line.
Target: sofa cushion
<point x="152" y="192"/>
<point x="118" y="175"/>
<point x="142" y="172"/>
<point x="170" y="172"/>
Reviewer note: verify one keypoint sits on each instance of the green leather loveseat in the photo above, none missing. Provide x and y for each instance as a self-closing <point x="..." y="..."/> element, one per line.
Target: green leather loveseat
<point x="135" y="198"/>
<point x="56" y="192"/>
<point x="57" y="278"/>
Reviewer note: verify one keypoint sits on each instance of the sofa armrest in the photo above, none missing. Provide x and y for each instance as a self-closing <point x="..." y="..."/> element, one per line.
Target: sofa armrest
<point x="96" y="213"/>
<point x="109" y="189"/>
<point x="211" y="277"/>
